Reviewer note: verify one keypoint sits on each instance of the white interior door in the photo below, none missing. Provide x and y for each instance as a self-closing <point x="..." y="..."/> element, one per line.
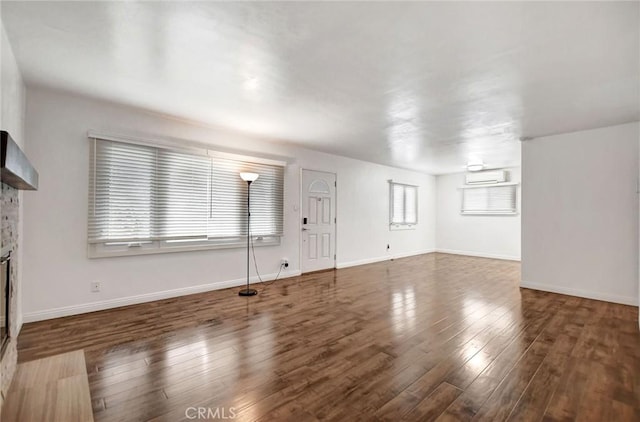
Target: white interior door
<point x="318" y="220"/>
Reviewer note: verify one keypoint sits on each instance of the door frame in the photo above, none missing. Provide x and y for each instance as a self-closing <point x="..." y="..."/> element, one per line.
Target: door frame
<point x="335" y="235"/>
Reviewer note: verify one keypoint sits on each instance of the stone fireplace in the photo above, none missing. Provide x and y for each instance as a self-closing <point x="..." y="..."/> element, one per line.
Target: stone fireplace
<point x="9" y="243"/>
<point x="16" y="173"/>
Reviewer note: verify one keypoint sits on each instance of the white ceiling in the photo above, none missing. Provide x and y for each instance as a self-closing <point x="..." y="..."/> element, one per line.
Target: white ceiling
<point x="425" y="86"/>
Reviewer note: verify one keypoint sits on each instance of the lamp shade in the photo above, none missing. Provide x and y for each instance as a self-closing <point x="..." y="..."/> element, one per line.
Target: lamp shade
<point x="249" y="177"/>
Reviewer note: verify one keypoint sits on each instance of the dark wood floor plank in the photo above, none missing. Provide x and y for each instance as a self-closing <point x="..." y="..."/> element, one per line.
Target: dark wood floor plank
<point x="535" y="399"/>
<point x="434" y="404"/>
<point x="502" y="401"/>
<point x="420" y="338"/>
<point x="474" y="396"/>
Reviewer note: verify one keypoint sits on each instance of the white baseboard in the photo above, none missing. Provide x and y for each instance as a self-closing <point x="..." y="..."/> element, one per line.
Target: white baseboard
<point x="348" y="264"/>
<point x="479" y="254"/>
<point x="147" y="297"/>
<point x="625" y="300"/>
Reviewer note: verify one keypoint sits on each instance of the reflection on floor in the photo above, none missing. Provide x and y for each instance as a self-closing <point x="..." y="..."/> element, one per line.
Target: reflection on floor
<point x="415" y="339"/>
<point x="53" y="389"/>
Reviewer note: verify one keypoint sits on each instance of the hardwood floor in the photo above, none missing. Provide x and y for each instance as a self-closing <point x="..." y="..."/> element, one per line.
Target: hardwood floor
<point x="430" y="337"/>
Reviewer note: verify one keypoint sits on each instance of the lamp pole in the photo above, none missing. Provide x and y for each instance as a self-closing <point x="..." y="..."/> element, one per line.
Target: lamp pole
<point x="249" y="178"/>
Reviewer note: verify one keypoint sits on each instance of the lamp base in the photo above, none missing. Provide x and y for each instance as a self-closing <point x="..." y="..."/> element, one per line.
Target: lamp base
<point x="248" y="292"/>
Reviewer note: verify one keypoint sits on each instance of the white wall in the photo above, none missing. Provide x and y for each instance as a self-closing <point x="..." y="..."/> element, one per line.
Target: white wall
<point x="12" y="112"/>
<point x="580" y="213"/>
<point x="491" y="236"/>
<point x="13" y="92"/>
<point x="57" y="271"/>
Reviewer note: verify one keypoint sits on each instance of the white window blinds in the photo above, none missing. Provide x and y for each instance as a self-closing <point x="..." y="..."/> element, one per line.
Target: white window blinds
<point x="489" y="200"/>
<point x="403" y="204"/>
<point x="141" y="193"/>
<point x="229" y="201"/>
<point x="397" y="204"/>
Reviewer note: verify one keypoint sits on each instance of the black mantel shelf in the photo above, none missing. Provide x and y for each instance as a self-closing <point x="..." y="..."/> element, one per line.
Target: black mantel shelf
<point x="17" y="171"/>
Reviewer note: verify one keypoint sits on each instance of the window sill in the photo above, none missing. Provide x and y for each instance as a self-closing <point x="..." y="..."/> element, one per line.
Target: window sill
<point x="394" y="227"/>
<point x="100" y="250"/>
<point x="497" y="213"/>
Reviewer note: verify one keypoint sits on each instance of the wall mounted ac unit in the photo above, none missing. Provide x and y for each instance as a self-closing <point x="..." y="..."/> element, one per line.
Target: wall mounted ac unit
<point x="486" y="177"/>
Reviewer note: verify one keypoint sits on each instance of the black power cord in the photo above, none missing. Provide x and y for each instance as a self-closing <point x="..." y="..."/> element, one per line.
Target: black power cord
<point x="255" y="264"/>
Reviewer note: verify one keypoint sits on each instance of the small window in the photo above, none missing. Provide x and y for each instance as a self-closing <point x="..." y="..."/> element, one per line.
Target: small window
<point x="403" y="206"/>
<point x="486" y="200"/>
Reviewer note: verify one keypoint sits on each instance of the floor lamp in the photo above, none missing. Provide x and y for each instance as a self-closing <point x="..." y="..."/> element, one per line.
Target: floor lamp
<point x="249" y="178"/>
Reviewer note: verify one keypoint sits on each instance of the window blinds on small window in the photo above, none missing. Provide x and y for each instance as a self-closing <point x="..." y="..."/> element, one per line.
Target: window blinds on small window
<point x="142" y="193"/>
<point x="397" y="212"/>
<point x="410" y="205"/>
<point x="489" y="200"/>
<point x="403" y="204"/>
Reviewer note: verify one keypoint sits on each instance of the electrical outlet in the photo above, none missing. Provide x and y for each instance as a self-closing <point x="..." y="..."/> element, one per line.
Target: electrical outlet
<point x="95" y="286"/>
<point x="284" y="262"/>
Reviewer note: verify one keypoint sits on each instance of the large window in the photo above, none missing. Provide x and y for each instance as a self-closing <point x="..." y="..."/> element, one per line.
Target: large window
<point x="149" y="199"/>
<point x="403" y="206"/>
<point x="499" y="199"/>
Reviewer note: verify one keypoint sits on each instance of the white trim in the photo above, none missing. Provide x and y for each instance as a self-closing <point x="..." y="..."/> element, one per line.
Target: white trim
<point x="479" y="254"/>
<point x="487" y="185"/>
<point x="625" y="300"/>
<point x="498" y="213"/>
<point x="183" y="146"/>
<point x="382" y="258"/>
<point x="147" y="297"/>
<point x="99" y="250"/>
<point x="240" y="157"/>
<point x="391" y="181"/>
<point x="397" y="226"/>
<point x="194" y="147"/>
<point x="335" y="225"/>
